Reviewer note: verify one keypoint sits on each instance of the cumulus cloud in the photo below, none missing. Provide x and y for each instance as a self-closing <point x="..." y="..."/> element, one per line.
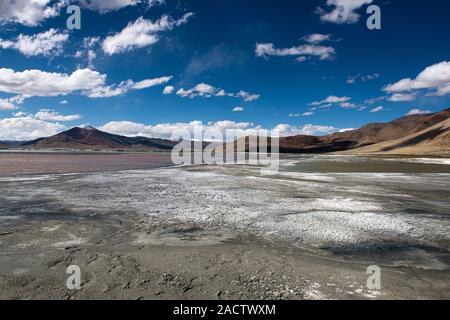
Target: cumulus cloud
<point x="46" y="43"/>
<point x="322" y="52"/>
<point x="418" y="111"/>
<point x="208" y="91"/>
<point x="343" y="11"/>
<point x="348" y="105"/>
<point x="141" y="33"/>
<point x="27" y="127"/>
<point x="6" y="105"/>
<point x="330" y="99"/>
<point x="52" y="115"/>
<point x="90" y="83"/>
<point x="29" y="12"/>
<point x="34" y="12"/>
<point x="113" y="5"/>
<point x="317" y="38"/>
<point x="435" y="78"/>
<point x="165" y="130"/>
<point x="239" y="129"/>
<point x="402" y="97"/>
<point x="238" y="109"/>
<point x="286" y="130"/>
<point x="11" y="103"/>
<point x="168" y="89"/>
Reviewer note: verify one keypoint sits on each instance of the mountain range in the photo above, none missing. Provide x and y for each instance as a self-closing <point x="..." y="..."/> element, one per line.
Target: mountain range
<point x="92" y="138"/>
<point x="416" y="131"/>
<point x="415" y="135"/>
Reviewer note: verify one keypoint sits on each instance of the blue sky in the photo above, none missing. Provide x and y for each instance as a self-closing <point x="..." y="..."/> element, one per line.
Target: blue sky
<point x="305" y="67"/>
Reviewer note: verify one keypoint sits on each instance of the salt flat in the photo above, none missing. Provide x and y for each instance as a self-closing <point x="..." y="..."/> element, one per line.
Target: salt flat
<point x="298" y="223"/>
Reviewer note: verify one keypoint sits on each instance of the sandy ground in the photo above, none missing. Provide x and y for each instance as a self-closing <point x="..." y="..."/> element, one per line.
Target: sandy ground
<point x="224" y="233"/>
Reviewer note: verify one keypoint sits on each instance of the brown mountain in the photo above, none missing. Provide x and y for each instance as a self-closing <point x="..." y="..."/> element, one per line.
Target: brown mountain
<point x="91" y="138"/>
<point x="3" y="146"/>
<point x="379" y="132"/>
<point x="368" y="135"/>
<point x="431" y="141"/>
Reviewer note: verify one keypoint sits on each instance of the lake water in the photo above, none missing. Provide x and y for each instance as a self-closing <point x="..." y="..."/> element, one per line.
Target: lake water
<point x="48" y="162"/>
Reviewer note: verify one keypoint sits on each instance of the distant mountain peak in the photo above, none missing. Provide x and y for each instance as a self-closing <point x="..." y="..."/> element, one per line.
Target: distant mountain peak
<point x="91" y="138"/>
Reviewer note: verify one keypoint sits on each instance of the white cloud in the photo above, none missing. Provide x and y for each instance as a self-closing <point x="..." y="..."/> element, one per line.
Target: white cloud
<point x="90" y="83"/>
<point x="140" y="33"/>
<point x="286" y="130"/>
<point x="402" y="97"/>
<point x="168" y="90"/>
<point x="46" y="43"/>
<point x="238" y="109"/>
<point x="377" y="109"/>
<point x="247" y="96"/>
<point x="330" y="99"/>
<point x="362" y="78"/>
<point x="148" y="83"/>
<point x="27" y="127"/>
<point x="343" y="12"/>
<point x="435" y="77"/>
<point x="322" y="52"/>
<point x="113" y="5"/>
<point x="418" y="111"/>
<point x="6" y="105"/>
<point x="348" y="105"/>
<point x="64" y="102"/>
<point x="375" y="100"/>
<point x="45" y="84"/>
<point x="307" y="114"/>
<point x="165" y="130"/>
<point x="29" y="12"/>
<point x="88" y="50"/>
<point x="52" y="115"/>
<point x="208" y="91"/>
<point x="317" y="38"/>
<point x="346" y="130"/>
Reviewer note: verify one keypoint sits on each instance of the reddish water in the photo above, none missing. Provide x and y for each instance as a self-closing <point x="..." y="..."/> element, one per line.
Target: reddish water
<point x="31" y="163"/>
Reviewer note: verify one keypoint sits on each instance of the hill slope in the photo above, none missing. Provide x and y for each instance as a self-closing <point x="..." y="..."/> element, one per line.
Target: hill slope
<point x="91" y="138"/>
<point x="379" y="132"/>
<point x="368" y="135"/>
<point x="431" y="141"/>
